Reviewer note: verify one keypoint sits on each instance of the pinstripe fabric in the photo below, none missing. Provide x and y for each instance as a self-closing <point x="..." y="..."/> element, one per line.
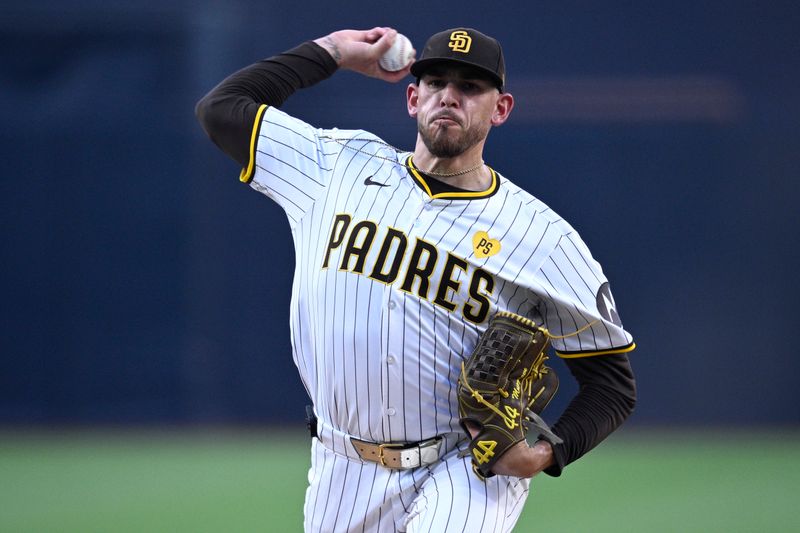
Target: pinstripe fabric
<point x="346" y="495"/>
<point x="391" y="291"/>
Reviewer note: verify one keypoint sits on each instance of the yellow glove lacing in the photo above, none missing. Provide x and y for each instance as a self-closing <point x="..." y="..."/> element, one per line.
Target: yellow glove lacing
<point x="526" y="380"/>
<point x="523" y="385"/>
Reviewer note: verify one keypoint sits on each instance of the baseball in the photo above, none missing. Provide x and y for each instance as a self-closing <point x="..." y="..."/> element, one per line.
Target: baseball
<point x="399" y="55"/>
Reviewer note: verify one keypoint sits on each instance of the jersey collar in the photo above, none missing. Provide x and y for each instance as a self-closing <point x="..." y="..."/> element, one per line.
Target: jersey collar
<point x="422" y="182"/>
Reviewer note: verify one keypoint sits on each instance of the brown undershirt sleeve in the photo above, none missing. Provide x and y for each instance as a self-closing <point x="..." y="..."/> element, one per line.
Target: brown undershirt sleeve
<point x="228" y="112"/>
<point x="605" y="398"/>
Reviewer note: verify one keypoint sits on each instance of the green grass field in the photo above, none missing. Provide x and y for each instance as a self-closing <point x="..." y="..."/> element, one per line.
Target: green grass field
<point x="198" y="481"/>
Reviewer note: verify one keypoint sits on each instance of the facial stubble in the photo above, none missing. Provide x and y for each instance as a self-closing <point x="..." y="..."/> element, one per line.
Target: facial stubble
<point x="441" y="143"/>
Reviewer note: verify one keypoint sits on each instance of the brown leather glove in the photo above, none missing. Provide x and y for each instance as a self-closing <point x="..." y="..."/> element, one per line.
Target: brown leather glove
<point x="503" y="388"/>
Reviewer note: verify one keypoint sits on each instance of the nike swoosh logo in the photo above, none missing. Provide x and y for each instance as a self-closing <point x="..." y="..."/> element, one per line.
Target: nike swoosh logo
<point x="369" y="181"/>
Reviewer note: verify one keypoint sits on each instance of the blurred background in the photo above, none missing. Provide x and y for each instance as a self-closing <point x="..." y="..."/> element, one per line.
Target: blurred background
<point x="145" y="287"/>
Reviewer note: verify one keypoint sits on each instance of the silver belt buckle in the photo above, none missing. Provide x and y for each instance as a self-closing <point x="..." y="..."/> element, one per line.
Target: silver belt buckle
<point x="430" y="451"/>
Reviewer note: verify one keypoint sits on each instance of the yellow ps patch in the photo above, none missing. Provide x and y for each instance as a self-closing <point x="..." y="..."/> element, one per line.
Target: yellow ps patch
<point x="484" y="246"/>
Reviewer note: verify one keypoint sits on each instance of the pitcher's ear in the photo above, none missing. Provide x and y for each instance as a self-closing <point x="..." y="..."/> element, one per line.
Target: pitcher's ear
<point x="412" y="96"/>
<point x="503" y="107"/>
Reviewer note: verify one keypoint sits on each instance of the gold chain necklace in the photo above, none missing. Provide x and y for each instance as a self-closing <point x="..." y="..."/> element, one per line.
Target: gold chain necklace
<point x="384" y="143"/>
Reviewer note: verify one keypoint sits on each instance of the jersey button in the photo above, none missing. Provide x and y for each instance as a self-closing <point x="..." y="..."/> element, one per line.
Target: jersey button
<point x="392" y="305"/>
<point x="390" y="359"/>
<point x="390" y="411"/>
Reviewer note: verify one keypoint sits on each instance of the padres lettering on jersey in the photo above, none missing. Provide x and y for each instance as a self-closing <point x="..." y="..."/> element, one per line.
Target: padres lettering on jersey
<point x="393" y="284"/>
<point x="425" y="266"/>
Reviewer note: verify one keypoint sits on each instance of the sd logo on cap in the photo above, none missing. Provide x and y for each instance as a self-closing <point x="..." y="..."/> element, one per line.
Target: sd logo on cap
<point x="460" y="41"/>
<point x="466" y="46"/>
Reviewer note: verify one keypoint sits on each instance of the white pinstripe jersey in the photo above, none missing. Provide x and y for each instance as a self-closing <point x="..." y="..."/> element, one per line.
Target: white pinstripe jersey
<point x="393" y="285"/>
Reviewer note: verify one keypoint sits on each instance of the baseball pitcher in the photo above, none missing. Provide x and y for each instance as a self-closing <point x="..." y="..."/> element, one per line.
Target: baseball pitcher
<point x="429" y="291"/>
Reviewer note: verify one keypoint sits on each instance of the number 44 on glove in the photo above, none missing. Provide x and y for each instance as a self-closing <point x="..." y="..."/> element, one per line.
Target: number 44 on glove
<point x="503" y="388"/>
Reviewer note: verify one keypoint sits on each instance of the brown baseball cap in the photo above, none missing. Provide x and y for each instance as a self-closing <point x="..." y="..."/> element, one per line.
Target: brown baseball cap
<point x="466" y="46"/>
